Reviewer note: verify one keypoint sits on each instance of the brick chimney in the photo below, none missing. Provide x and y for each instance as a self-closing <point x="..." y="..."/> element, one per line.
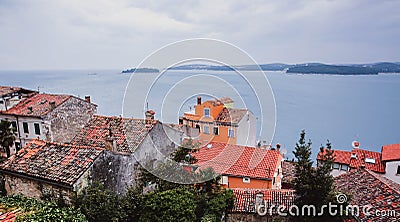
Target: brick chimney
<point x="87" y="98"/>
<point x="149" y="116"/>
<point x="198" y="100"/>
<point x="278" y="146"/>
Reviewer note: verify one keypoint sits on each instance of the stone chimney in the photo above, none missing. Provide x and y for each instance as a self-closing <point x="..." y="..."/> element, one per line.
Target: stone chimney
<point x="149" y="116"/>
<point x="52" y="105"/>
<point x="87" y="98"/>
<point x="198" y="100"/>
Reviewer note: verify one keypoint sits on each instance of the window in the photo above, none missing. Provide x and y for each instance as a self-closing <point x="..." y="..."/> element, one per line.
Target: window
<point x="398" y="170"/>
<point x="336" y="166"/>
<point x="224" y="180"/>
<point x="246" y="179"/>
<point x="206" y="112"/>
<point x="273" y="181"/>
<point x="231" y="133"/>
<point x="215" y="130"/>
<point x="37" y="128"/>
<point x="26" y="128"/>
<point x="206" y="129"/>
<point x="344" y="167"/>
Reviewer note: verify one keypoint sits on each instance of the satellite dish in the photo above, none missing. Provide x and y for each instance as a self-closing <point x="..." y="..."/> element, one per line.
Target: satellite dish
<point x="355" y="144"/>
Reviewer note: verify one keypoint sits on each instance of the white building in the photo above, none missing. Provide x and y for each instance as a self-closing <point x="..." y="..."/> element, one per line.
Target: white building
<point x="391" y="158"/>
<point x="11" y="96"/>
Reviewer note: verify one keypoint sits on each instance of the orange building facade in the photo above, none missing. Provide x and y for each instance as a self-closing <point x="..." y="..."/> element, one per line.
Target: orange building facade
<point x="217" y="121"/>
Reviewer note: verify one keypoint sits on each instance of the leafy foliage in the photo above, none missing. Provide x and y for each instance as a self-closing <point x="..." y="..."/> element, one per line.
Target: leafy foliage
<point x="169" y="205"/>
<point x="314" y="186"/>
<point x="35" y="210"/>
<point x="7" y="137"/>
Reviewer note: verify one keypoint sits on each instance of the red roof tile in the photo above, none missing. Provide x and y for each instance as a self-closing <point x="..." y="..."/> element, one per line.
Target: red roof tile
<point x="9" y="90"/>
<point x="246" y="199"/>
<point x="37" y="105"/>
<point x="60" y="163"/>
<point x="362" y="155"/>
<point x="391" y="152"/>
<point x="238" y="160"/>
<point x="231" y="115"/>
<point x="369" y="188"/>
<point x="128" y="133"/>
<point x="359" y="159"/>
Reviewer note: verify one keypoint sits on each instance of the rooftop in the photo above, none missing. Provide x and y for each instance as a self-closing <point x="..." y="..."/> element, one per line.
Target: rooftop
<point x="128" y="133"/>
<point x="246" y="199"/>
<point x="10" y="90"/>
<point x="391" y="152"/>
<point x="37" y="105"/>
<point x="358" y="158"/>
<point x="231" y="115"/>
<point x="369" y="188"/>
<point x="228" y="159"/>
<point x="59" y="163"/>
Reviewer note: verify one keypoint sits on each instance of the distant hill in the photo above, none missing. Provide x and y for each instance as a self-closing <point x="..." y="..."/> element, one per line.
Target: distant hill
<point x="141" y="70"/>
<point x="305" y="68"/>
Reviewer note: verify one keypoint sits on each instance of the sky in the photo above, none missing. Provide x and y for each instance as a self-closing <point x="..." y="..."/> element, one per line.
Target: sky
<point x="119" y="34"/>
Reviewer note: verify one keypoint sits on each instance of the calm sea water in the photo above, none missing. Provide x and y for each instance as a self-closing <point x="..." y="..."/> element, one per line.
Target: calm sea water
<point x="338" y="108"/>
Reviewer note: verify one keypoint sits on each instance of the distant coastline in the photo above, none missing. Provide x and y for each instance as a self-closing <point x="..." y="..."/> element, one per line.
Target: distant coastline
<point x="304" y="68"/>
<point x="141" y="70"/>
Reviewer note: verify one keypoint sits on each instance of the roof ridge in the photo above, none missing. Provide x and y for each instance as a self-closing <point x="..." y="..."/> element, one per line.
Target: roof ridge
<point x="45" y="142"/>
<point x="384" y="180"/>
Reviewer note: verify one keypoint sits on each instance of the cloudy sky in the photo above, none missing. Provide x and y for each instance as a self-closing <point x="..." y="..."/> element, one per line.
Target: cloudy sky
<point x="76" y="34"/>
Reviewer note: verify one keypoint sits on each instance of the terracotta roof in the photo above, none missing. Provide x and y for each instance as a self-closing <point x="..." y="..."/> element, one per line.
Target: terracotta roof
<point x="362" y="155"/>
<point x="231" y="115"/>
<point x="369" y="188"/>
<point x="9" y="90"/>
<point x="243" y="161"/>
<point x="128" y="133"/>
<point x="59" y="163"/>
<point x="246" y="199"/>
<point x="37" y="105"/>
<point x="391" y="152"/>
<point x="341" y="156"/>
<point x="359" y="159"/>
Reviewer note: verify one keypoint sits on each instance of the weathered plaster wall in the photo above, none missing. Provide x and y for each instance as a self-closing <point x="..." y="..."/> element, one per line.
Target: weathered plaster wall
<point x="67" y="119"/>
<point x="36" y="189"/>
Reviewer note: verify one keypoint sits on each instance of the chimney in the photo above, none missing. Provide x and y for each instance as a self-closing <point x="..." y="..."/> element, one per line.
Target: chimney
<point x="198" y="100"/>
<point x="30" y="109"/>
<point x="149" y="116"/>
<point x="87" y="98"/>
<point x="278" y="146"/>
<point x="111" y="144"/>
<point x="52" y="105"/>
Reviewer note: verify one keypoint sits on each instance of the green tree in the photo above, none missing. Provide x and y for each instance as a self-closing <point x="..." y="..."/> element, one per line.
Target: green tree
<point x="169" y="205"/>
<point x="314" y="185"/>
<point x="100" y="204"/>
<point x="7" y="137"/>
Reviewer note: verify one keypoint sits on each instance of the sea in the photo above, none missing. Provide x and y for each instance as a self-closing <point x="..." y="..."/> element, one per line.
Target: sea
<point x="338" y="108"/>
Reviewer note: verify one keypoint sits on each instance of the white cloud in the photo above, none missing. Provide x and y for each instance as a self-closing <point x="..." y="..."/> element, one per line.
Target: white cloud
<point x="119" y="33"/>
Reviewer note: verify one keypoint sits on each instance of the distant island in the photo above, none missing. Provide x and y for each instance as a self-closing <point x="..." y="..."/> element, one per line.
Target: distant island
<point x="304" y="68"/>
<point x="141" y="70"/>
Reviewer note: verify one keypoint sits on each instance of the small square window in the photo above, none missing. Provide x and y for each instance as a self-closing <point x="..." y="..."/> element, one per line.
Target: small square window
<point x="207" y="112"/>
<point x="215" y="130"/>
<point x="344" y="167"/>
<point x="246" y="179"/>
<point x="206" y="129"/>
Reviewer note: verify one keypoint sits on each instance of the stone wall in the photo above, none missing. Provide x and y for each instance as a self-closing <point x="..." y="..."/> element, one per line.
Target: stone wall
<point x="36" y="189"/>
<point x="67" y="119"/>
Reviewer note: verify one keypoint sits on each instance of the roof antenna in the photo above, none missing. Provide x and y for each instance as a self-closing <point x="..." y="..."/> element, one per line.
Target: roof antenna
<point x="147" y="106"/>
